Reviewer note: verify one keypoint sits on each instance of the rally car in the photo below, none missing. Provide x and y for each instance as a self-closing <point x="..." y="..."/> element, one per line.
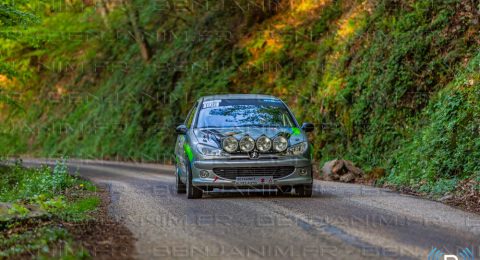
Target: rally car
<point x="242" y="141"/>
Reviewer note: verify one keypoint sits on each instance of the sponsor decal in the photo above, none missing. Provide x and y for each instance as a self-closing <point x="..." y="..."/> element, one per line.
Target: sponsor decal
<point x="188" y="151"/>
<point x="249" y="180"/>
<point x="296" y="131"/>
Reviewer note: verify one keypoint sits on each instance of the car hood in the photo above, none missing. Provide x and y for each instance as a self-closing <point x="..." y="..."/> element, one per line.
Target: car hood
<point x="214" y="136"/>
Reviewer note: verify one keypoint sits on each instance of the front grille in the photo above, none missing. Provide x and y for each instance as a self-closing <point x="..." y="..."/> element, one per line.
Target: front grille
<point x="276" y="171"/>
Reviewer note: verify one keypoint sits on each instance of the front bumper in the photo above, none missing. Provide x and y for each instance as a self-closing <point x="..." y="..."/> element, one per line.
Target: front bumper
<point x="213" y="180"/>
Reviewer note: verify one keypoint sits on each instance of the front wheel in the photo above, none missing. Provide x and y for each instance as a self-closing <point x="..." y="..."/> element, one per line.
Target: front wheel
<point x="305" y="190"/>
<point x="192" y="191"/>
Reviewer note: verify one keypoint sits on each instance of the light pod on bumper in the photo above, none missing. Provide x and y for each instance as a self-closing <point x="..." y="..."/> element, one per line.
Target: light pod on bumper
<point x="280" y="143"/>
<point x="264" y="144"/>
<point x="247" y="144"/>
<point x="203" y="174"/>
<point x="230" y="144"/>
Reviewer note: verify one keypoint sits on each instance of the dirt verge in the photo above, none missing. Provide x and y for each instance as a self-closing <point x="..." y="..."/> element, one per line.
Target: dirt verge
<point x="103" y="237"/>
<point x="465" y="197"/>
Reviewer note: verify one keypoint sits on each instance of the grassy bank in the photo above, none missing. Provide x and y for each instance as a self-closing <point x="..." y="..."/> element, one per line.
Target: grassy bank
<point x="36" y="205"/>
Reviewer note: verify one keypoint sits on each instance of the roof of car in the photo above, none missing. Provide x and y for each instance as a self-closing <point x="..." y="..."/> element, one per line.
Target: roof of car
<point x="237" y="96"/>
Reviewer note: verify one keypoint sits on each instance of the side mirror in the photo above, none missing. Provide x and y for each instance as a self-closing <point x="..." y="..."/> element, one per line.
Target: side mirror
<point x="308" y="127"/>
<point x="181" y="129"/>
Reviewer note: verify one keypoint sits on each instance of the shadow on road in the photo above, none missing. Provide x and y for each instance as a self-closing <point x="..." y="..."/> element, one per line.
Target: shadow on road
<point x="245" y="194"/>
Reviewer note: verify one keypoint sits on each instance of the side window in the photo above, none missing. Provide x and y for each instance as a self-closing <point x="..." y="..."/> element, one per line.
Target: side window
<point x="191" y="115"/>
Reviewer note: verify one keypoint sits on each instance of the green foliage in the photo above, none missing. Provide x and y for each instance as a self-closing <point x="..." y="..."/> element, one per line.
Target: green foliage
<point x="55" y="205"/>
<point x="63" y="196"/>
<point x="75" y="211"/>
<point x="11" y="15"/>
<point x="18" y="209"/>
<point x="46" y="187"/>
<point x="447" y="147"/>
<point x="39" y="241"/>
<point x="390" y="80"/>
<point x="21" y="183"/>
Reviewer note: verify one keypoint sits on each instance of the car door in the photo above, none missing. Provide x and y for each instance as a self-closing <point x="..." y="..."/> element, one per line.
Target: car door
<point x="180" y="156"/>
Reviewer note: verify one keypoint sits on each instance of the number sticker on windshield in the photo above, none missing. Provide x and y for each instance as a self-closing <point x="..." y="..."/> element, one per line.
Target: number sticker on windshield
<point x="212" y="103"/>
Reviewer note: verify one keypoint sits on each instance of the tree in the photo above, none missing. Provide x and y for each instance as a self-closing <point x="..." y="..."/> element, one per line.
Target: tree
<point x="11" y="15"/>
<point x="104" y="11"/>
<point x="138" y="32"/>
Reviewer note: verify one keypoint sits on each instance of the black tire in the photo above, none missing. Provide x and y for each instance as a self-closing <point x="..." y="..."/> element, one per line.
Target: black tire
<point x="192" y="191"/>
<point x="181" y="187"/>
<point x="305" y="190"/>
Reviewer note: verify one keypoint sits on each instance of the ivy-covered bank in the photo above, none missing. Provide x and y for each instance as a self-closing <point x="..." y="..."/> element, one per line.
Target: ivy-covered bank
<point x="389" y="84"/>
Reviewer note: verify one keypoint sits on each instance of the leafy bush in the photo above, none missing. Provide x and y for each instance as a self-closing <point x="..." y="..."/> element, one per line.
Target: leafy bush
<point x="56" y="204"/>
<point x="18" y="209"/>
<point x="62" y="195"/>
<point x="21" y="183"/>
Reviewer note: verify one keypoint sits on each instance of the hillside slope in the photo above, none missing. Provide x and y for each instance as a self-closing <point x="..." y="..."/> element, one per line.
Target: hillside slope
<point x="390" y="84"/>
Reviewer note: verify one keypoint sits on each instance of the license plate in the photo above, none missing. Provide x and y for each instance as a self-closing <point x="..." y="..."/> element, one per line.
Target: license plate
<point x="254" y="180"/>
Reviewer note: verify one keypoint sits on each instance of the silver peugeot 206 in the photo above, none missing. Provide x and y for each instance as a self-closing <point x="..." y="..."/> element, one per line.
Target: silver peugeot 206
<point x="242" y="142"/>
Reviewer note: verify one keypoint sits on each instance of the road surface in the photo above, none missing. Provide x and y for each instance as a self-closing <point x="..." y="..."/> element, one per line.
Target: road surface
<point x="340" y="221"/>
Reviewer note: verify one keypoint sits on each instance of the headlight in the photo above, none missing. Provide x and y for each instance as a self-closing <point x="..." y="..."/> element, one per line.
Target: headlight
<point x="247" y="144"/>
<point x="230" y="144"/>
<point x="209" y="151"/>
<point x="297" y="149"/>
<point x="280" y="143"/>
<point x="264" y="144"/>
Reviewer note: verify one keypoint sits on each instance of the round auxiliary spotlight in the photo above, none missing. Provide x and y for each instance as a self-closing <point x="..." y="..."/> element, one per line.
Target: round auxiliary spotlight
<point x="264" y="144"/>
<point x="247" y="144"/>
<point x="280" y="143"/>
<point x="230" y="144"/>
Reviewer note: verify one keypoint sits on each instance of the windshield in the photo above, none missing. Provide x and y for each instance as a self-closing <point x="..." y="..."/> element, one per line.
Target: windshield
<point x="230" y="113"/>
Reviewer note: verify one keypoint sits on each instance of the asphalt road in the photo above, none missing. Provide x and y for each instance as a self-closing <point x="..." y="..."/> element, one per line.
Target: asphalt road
<point x="340" y="221"/>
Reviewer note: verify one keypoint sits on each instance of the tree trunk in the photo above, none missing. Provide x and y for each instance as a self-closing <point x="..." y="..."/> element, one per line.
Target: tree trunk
<point x="138" y="33"/>
<point x="104" y="11"/>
